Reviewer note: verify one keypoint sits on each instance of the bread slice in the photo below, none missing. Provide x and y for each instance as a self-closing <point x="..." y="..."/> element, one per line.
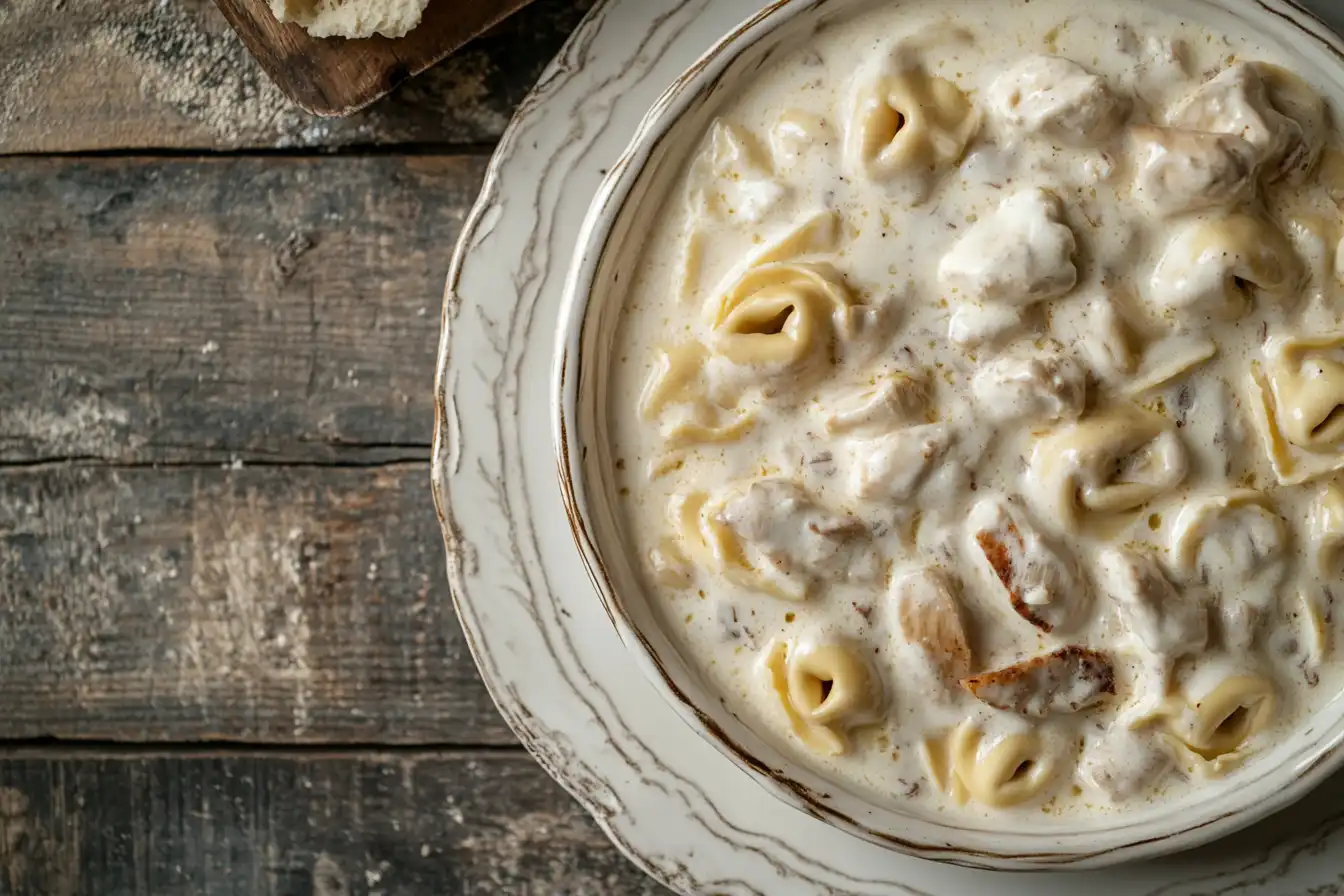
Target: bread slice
<point x="351" y="18"/>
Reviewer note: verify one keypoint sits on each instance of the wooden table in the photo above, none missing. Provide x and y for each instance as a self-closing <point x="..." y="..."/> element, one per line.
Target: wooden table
<point x="229" y="662"/>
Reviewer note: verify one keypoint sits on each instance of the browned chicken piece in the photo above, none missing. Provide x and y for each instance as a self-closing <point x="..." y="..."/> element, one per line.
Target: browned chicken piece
<point x="930" y="618"/>
<point x="1044" y="587"/>
<point x="1068" y="680"/>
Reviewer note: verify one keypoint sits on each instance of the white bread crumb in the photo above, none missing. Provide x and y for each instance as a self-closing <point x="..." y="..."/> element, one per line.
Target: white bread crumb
<point x="351" y="18"/>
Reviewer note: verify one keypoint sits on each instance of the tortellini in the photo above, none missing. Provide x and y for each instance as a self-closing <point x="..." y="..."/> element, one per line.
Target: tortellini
<point x="1218" y="710"/>
<point x="1019" y="254"/>
<point x="1009" y="770"/>
<point x="783" y="316"/>
<point x="1040" y="387"/>
<point x="676" y="394"/>
<point x="1177" y="170"/>
<point x="908" y="127"/>
<point x="1237" y="545"/>
<point x="1327" y="532"/>
<point x="1298" y="405"/>
<point x="825" y="689"/>
<point x="1110" y="462"/>
<point x="1207" y="269"/>
<point x="770" y="536"/>
<point x="1271" y="108"/>
<point x="1054" y="98"/>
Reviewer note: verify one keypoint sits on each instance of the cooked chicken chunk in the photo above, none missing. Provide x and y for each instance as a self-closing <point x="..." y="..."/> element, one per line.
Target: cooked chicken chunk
<point x="1044" y="587"/>
<point x="1020" y="253"/>
<point x="894" y="398"/>
<point x="1054" y="98"/>
<point x="1123" y="764"/>
<point x="1030" y="388"/>
<point x="930" y="617"/>
<point x="1068" y="680"/>
<point x="1238" y="546"/>
<point x="975" y="324"/>
<point x="1268" y="107"/>
<point x="1166" y="622"/>
<point x="1176" y="170"/>
<point x="784" y="534"/>
<point x="894" y="466"/>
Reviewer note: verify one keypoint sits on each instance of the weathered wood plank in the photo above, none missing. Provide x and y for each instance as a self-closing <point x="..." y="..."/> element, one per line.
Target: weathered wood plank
<point x="95" y="75"/>
<point x="256" y="825"/>
<point x="281" y="309"/>
<point x="261" y="604"/>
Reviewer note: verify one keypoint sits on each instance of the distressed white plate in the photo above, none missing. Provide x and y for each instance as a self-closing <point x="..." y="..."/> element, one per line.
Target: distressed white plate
<point x="548" y="652"/>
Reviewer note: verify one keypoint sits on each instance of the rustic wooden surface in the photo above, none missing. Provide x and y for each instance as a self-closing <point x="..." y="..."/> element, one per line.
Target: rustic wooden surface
<point x="228" y="658"/>
<point x="334" y="76"/>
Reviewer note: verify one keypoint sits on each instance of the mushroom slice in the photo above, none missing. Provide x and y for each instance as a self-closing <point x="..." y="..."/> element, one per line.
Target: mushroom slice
<point x="1030" y="388"/>
<point x="1045" y="587"/>
<point x="824" y="690"/>
<point x="1176" y="170"/>
<point x="1107" y="463"/>
<point x="1166" y="622"/>
<point x="1019" y="254"/>
<point x="931" y="619"/>
<point x="1054" y="98"/>
<point x="1210" y="265"/>
<point x="1068" y="680"/>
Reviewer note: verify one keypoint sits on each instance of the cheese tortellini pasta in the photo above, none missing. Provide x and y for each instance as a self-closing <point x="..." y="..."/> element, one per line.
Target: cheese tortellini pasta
<point x="783" y="317"/>
<point x="1216" y="712"/>
<point x="998" y="772"/>
<point x="1299" y="405"/>
<point x="1208" y="269"/>
<point x="824" y="689"/>
<point x="1110" y="462"/>
<point x="908" y="127"/>
<point x="1327" y="531"/>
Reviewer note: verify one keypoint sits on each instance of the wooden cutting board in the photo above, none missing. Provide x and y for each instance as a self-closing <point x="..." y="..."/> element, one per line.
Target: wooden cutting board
<point x="336" y="76"/>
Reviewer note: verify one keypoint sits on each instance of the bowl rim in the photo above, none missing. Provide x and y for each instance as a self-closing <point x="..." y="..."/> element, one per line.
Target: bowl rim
<point x="592" y="243"/>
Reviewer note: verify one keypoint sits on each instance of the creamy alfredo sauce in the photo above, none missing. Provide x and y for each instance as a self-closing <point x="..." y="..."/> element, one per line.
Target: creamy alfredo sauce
<point x="979" y="404"/>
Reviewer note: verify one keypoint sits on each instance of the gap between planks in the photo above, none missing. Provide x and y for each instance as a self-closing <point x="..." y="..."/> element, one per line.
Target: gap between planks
<point x="357" y="150"/>
<point x="57" y="749"/>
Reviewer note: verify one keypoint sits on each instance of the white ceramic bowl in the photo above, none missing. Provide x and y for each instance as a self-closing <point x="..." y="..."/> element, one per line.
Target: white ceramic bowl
<point x="608" y="247"/>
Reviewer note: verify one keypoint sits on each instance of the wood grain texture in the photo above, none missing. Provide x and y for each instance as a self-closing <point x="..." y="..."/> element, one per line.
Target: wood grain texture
<point x="145" y="74"/>
<point x="259" y="825"/>
<point x="335" y="76"/>
<point x="261" y="604"/>
<point x="191" y="310"/>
